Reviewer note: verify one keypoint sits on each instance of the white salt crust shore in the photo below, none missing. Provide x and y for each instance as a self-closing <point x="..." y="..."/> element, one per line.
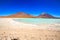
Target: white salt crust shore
<point x="13" y="30"/>
<point x="9" y="23"/>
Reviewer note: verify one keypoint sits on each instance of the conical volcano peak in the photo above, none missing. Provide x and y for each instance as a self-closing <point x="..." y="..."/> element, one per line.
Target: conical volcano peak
<point x="45" y="15"/>
<point x="21" y="13"/>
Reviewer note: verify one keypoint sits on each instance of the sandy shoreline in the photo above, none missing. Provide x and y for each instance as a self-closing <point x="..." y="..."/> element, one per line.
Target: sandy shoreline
<point x="30" y="34"/>
<point x="9" y="23"/>
<point x="10" y="30"/>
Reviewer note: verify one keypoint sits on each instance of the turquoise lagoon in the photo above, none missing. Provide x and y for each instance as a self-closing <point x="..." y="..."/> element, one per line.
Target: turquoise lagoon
<point x="38" y="20"/>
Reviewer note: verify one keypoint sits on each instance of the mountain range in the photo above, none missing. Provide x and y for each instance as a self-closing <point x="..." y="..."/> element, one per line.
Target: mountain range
<point x="25" y="15"/>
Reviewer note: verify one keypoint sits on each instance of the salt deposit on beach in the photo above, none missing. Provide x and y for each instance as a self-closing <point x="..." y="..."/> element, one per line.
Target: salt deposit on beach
<point x="13" y="30"/>
<point x="9" y="23"/>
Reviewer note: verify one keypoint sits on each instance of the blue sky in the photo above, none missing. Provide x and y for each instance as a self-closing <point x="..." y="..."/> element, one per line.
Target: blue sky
<point x="33" y="7"/>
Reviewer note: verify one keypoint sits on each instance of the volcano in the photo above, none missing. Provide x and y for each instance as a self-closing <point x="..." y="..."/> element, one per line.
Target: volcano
<point x="45" y="15"/>
<point x="21" y="15"/>
<point x="18" y="15"/>
<point x="25" y="15"/>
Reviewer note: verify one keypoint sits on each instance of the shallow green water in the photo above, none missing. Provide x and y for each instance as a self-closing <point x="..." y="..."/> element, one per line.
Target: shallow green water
<point x="38" y="20"/>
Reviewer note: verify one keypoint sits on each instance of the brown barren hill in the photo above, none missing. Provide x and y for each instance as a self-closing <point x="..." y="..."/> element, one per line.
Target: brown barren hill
<point x="25" y="15"/>
<point x="18" y="15"/>
<point x="45" y="15"/>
